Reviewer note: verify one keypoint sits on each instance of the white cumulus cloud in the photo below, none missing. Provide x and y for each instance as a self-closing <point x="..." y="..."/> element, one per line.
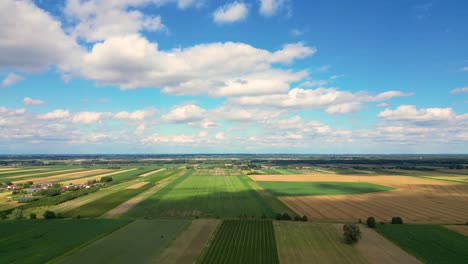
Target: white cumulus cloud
<point x="30" y="101"/>
<point x="229" y="13"/>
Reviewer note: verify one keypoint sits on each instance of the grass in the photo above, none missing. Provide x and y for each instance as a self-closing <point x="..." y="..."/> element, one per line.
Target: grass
<point x="300" y="242"/>
<point x="139" y="242"/>
<point x="429" y="243"/>
<point x="240" y="241"/>
<point x="208" y="196"/>
<point x="101" y="206"/>
<point x="320" y="188"/>
<point x="38" y="241"/>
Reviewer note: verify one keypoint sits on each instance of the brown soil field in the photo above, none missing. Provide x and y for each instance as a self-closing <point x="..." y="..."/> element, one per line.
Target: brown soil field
<point x="137" y="185"/>
<point x="7" y="169"/>
<point x="462" y="229"/>
<point x="186" y="248"/>
<point x="151" y="172"/>
<point x="62" y="177"/>
<point x="96" y="177"/>
<point x="378" y="250"/>
<point x="416" y="200"/>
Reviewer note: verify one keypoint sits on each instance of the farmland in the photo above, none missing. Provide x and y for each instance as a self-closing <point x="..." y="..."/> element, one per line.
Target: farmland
<point x="241" y="241"/>
<point x="320" y="188"/>
<point x="418" y="200"/>
<point x="227" y="211"/>
<point x="138" y="242"/>
<point x="429" y="243"/>
<point x="39" y="241"/>
<point x="203" y="195"/>
<point x="304" y="242"/>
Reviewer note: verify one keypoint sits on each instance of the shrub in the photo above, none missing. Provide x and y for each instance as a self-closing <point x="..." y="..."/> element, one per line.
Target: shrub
<point x="351" y="233"/>
<point x="371" y="222"/>
<point x="49" y="215"/>
<point x="263" y="216"/>
<point x="3" y="215"/>
<point x="18" y="213"/>
<point x="278" y="216"/>
<point x="106" y="179"/>
<point x="397" y="220"/>
<point x="32" y="216"/>
<point x="297" y="218"/>
<point x="304" y="218"/>
<point x="286" y="216"/>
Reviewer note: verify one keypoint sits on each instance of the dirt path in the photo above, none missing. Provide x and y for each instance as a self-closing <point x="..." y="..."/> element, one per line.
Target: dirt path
<point x="378" y="250"/>
<point x="124" y="207"/>
<point x="186" y="248"/>
<point x="152" y="172"/>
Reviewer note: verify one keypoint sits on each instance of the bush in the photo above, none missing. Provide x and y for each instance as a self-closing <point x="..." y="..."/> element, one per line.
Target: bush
<point x="18" y="213"/>
<point x="278" y="216"/>
<point x="286" y="216"/>
<point x="263" y="216"/>
<point x="371" y="222"/>
<point x="106" y="179"/>
<point x="351" y="233"/>
<point x="397" y="220"/>
<point x="49" y="215"/>
<point x="304" y="218"/>
<point x="297" y="218"/>
<point x="32" y="216"/>
<point x="3" y="215"/>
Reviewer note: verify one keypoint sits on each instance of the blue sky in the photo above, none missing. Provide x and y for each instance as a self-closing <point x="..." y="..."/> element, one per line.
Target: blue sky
<point x="263" y="76"/>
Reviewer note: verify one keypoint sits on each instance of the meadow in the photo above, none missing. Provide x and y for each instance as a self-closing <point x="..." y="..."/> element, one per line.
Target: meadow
<point x="38" y="241"/>
<point x="429" y="243"/>
<point x="138" y="242"/>
<point x="242" y="241"/>
<point x="203" y="195"/>
<point x="320" y="188"/>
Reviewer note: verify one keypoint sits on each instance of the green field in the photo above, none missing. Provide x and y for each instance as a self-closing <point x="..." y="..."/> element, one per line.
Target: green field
<point x="429" y="243"/>
<point x="101" y="206"/>
<point x="38" y="241"/>
<point x="139" y="242"/>
<point x="320" y="188"/>
<point x="241" y="241"/>
<point x="209" y="196"/>
<point x="300" y="242"/>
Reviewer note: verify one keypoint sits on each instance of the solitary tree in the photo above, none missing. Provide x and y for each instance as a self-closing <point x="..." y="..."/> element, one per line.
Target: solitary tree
<point x="371" y="222"/>
<point x="49" y="215"/>
<point x="397" y="220"/>
<point x="351" y="233"/>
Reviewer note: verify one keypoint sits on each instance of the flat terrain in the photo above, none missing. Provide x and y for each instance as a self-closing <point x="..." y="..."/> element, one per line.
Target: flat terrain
<point x="186" y="248"/>
<point x="378" y="250"/>
<point x="138" y="242"/>
<point x="38" y="241"/>
<point x="462" y="229"/>
<point x="96" y="177"/>
<point x="203" y="195"/>
<point x="417" y="200"/>
<point x="320" y="188"/>
<point x="429" y="243"/>
<point x="242" y="241"/>
<point x="303" y="242"/>
<point x="65" y="176"/>
<point x="136" y="185"/>
<point x="151" y="172"/>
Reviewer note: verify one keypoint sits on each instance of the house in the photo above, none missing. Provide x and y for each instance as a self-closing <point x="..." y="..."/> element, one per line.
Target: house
<point x="11" y="187"/>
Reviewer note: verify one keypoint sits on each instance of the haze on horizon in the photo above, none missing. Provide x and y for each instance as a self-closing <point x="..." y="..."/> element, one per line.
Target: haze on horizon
<point x="253" y="76"/>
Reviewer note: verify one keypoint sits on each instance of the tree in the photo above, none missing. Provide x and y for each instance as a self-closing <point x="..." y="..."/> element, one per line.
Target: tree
<point x="278" y="216"/>
<point x="297" y="218"/>
<point x="304" y="218"/>
<point x="397" y="220"/>
<point x="3" y="215"/>
<point x="49" y="215"/>
<point x="371" y="222"/>
<point x="286" y="216"/>
<point x="351" y="233"/>
<point x="106" y="179"/>
<point x="32" y="216"/>
<point x="18" y="213"/>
